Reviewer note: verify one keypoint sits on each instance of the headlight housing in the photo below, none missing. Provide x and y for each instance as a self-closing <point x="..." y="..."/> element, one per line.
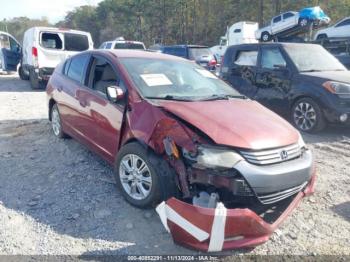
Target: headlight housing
<point x="213" y="157"/>
<point x="338" y="88"/>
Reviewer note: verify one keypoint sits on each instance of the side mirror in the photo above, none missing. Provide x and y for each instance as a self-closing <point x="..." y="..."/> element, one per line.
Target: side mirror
<point x="115" y="93"/>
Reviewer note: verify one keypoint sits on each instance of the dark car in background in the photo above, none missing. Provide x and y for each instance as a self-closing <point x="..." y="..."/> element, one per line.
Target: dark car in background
<point x="303" y="82"/>
<point x="202" y="55"/>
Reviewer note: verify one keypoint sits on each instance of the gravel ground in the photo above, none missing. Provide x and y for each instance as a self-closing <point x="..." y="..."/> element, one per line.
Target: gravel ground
<point x="56" y="197"/>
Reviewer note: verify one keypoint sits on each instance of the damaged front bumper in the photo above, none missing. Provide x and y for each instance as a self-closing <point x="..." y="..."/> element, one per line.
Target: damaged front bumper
<point x="209" y="229"/>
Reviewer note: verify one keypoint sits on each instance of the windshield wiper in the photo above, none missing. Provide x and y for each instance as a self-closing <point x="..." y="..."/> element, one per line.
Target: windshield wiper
<point x="168" y="97"/>
<point x="222" y="97"/>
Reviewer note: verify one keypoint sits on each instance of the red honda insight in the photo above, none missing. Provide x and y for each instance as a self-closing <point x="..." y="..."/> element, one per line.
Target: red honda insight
<point x="174" y="132"/>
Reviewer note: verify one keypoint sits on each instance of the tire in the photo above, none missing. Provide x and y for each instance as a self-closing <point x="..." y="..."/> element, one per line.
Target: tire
<point x="307" y="116"/>
<point x="35" y="83"/>
<point x="155" y="184"/>
<point x="265" y="37"/>
<point x="303" y="22"/>
<point x="56" y="123"/>
<point x="21" y="74"/>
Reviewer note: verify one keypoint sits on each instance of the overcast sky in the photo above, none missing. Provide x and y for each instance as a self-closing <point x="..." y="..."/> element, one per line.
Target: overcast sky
<point x="54" y="10"/>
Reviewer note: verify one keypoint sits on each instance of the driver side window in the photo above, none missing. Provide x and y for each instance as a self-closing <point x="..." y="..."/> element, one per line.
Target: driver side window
<point x="272" y="57"/>
<point x="102" y="75"/>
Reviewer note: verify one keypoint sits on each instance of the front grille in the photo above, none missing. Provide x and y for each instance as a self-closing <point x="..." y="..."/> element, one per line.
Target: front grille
<point x="272" y="156"/>
<point x="278" y="196"/>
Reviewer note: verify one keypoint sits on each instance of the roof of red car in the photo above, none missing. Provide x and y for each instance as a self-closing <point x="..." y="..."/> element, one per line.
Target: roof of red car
<point x="140" y="54"/>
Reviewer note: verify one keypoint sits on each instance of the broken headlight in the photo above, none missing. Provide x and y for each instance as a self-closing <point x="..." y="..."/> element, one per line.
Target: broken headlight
<point x="213" y="157"/>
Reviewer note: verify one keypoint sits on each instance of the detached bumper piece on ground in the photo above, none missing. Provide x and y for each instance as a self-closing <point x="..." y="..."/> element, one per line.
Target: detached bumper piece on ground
<point x="217" y="229"/>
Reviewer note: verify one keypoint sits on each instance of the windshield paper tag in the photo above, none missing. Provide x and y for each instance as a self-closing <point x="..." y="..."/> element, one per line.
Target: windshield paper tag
<point x="206" y="73"/>
<point x="156" y="79"/>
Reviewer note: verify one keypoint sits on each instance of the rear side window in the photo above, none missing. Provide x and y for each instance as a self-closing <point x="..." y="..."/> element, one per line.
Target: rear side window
<point x="272" y="57"/>
<point x="108" y="46"/>
<point x="77" y="67"/>
<point x="75" y="42"/>
<point x="345" y="22"/>
<point x="177" y="51"/>
<point x="246" y="58"/>
<point x="51" y="41"/>
<point x="129" y="46"/>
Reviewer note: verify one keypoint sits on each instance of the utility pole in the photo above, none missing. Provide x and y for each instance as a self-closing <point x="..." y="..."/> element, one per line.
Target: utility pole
<point x="261" y="13"/>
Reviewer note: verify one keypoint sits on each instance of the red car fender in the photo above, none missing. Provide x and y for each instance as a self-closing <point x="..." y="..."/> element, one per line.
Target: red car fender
<point x="209" y="229"/>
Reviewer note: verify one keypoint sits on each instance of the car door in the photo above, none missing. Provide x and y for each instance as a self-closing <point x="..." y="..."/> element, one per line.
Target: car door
<point x="101" y="115"/>
<point x="72" y="109"/>
<point x="273" y="79"/>
<point x="276" y="25"/>
<point x="288" y="20"/>
<point x="242" y="70"/>
<point x="11" y="52"/>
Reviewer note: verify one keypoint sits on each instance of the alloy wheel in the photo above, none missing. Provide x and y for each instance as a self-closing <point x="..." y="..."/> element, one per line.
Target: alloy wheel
<point x="135" y="177"/>
<point x="265" y="38"/>
<point x="56" y="122"/>
<point x="305" y="116"/>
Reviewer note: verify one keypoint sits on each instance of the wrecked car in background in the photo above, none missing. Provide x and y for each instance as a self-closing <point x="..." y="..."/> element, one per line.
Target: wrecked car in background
<point x="228" y="169"/>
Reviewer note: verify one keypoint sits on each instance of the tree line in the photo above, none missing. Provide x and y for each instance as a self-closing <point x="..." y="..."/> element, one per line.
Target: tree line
<point x="172" y="21"/>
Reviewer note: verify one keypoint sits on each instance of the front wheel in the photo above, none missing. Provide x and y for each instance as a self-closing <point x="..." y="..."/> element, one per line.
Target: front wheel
<point x="144" y="178"/>
<point x="307" y="116"/>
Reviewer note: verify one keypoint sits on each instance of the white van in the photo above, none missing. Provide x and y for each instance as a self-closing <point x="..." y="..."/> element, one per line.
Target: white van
<point x="45" y="47"/>
<point x="10" y="53"/>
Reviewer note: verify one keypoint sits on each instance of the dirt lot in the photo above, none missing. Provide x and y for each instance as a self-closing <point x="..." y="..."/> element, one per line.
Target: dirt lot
<point x="56" y="197"/>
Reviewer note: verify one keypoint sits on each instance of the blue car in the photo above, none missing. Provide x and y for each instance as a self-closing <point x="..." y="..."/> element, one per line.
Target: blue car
<point x="314" y="15"/>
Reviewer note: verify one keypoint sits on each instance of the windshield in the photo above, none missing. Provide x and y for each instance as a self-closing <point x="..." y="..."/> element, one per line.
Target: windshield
<point x="175" y="80"/>
<point x="309" y="58"/>
<point x="129" y="46"/>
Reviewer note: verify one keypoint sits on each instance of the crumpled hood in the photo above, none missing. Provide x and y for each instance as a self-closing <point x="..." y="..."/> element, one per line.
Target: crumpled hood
<point x="321" y="77"/>
<point x="239" y="123"/>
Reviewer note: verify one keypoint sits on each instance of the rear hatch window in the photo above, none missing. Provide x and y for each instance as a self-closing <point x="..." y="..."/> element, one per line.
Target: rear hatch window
<point x="64" y="41"/>
<point x="129" y="46"/>
<point x="200" y="54"/>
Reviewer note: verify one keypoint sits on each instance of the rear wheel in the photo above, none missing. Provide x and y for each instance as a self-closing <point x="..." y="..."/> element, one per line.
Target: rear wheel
<point x="265" y="37"/>
<point x="35" y="82"/>
<point x="303" y="22"/>
<point x="56" y="123"/>
<point x="307" y="116"/>
<point x="22" y="74"/>
<point x="144" y="178"/>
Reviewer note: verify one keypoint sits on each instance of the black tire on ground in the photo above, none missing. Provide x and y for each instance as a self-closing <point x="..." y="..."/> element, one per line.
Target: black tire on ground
<point x="265" y="37"/>
<point x="162" y="176"/>
<point x="307" y="116"/>
<point x="21" y="74"/>
<point x="303" y="22"/>
<point x="56" y="126"/>
<point x="35" y="82"/>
